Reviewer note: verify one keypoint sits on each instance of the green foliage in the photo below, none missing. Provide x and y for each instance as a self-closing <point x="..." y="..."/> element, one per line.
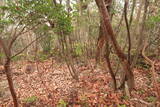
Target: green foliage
<point x="2" y="55"/>
<point x="151" y="99"/>
<point x="141" y="91"/>
<point x="152" y="20"/>
<point x="31" y="99"/>
<point x="42" y="56"/>
<point x="19" y="57"/>
<point x="62" y="103"/>
<point x="78" y="49"/>
<point x="36" y="12"/>
<point x="63" y="23"/>
<point x="46" y="43"/>
<point x="125" y="97"/>
<point x="123" y="105"/>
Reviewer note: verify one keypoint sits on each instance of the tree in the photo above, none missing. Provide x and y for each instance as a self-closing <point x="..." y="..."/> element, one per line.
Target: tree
<point x="24" y="16"/>
<point x="128" y="74"/>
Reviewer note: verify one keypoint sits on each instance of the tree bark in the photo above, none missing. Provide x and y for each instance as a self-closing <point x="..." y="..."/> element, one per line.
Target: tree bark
<point x="10" y="81"/>
<point x="128" y="30"/>
<point x="8" y="71"/>
<point x="152" y="63"/>
<point x="141" y="34"/>
<point x="129" y="77"/>
<point x="103" y="41"/>
<point x="132" y="12"/>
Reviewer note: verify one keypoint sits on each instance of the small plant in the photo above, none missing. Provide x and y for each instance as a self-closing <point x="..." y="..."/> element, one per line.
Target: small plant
<point x="30" y="100"/>
<point x="43" y="57"/>
<point x="78" y="49"/>
<point x="141" y="91"/>
<point x="123" y="105"/>
<point x="124" y="97"/>
<point x="2" y="55"/>
<point x="19" y="57"/>
<point x="151" y="99"/>
<point x="62" y="103"/>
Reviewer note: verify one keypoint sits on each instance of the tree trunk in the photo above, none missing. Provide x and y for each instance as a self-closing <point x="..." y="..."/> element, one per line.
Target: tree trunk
<point x="109" y="65"/>
<point x="129" y="77"/>
<point x="141" y="35"/>
<point x="128" y="30"/>
<point x="132" y="12"/>
<point x="10" y="81"/>
<point x="8" y="71"/>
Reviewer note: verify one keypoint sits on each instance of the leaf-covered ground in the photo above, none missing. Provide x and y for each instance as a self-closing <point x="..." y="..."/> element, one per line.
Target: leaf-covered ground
<point x="49" y="84"/>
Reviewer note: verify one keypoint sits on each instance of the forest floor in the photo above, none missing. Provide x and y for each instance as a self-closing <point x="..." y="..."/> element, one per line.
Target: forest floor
<point x="49" y="84"/>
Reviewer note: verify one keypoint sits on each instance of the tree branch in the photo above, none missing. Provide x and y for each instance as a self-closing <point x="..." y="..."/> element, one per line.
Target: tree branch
<point x="27" y="46"/>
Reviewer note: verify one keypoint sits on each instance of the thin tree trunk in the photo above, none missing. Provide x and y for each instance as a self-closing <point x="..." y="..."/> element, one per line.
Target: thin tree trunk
<point x="132" y="12"/>
<point x="138" y="15"/>
<point x="8" y="71"/>
<point x="109" y="65"/>
<point x="141" y="35"/>
<point x="128" y="30"/>
<point x="107" y="53"/>
<point x="152" y="63"/>
<point x="10" y="81"/>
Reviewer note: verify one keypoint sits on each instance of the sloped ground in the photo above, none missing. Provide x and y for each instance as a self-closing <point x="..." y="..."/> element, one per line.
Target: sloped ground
<point x="48" y="83"/>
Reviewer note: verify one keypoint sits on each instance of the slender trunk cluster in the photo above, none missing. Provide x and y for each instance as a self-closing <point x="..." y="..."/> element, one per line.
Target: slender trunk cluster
<point x="128" y="74"/>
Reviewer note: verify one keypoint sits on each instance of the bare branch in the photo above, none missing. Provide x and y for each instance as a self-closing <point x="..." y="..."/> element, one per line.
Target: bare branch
<point x="15" y="36"/>
<point x="20" y="33"/>
<point x="27" y="46"/>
